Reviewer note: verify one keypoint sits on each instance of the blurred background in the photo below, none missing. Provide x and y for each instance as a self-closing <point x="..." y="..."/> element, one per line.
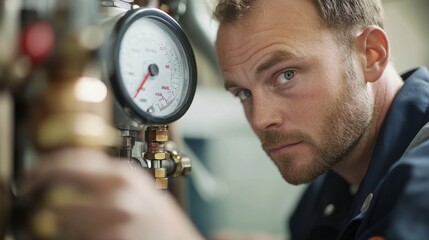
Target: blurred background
<point x="241" y="189"/>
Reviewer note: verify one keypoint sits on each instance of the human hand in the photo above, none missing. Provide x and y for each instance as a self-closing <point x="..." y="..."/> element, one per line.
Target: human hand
<point x="89" y="195"/>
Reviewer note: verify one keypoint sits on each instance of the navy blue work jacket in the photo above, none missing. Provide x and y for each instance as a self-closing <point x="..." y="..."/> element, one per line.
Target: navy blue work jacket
<point x="392" y="201"/>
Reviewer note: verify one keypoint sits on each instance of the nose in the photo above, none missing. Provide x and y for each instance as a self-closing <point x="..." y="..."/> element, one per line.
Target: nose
<point x="264" y="113"/>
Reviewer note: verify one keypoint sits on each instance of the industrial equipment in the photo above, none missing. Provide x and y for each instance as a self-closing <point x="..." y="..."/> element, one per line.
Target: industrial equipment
<point x="110" y="75"/>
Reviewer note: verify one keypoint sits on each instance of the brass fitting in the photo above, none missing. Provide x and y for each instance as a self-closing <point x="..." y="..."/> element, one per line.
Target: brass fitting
<point x="157" y="155"/>
<point x="183" y="164"/>
<point x="161" y="180"/>
<point x="161" y="183"/>
<point x="156" y="137"/>
<point x="64" y="117"/>
<point x="156" y="134"/>
<point x="160" y="172"/>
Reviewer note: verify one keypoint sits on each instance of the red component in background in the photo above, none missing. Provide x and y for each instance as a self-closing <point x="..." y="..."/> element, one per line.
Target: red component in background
<point x="37" y="41"/>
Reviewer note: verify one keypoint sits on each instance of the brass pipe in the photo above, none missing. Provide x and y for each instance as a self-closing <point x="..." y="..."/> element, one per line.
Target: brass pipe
<point x="74" y="110"/>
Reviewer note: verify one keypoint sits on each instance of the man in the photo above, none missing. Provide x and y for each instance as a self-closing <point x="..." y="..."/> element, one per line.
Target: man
<point x="318" y="89"/>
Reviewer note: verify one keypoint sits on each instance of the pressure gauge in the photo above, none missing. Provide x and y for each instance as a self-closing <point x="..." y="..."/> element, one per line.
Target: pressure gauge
<point x="154" y="70"/>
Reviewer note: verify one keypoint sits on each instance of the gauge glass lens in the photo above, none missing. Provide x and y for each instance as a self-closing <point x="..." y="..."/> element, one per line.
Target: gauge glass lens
<point x="153" y="67"/>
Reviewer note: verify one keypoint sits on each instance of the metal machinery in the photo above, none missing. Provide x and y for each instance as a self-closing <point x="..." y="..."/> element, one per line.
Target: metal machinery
<point x="153" y="75"/>
<point x="110" y="75"/>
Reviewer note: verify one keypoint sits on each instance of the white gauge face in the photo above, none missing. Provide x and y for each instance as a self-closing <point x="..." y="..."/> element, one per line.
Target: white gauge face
<point x="153" y="67"/>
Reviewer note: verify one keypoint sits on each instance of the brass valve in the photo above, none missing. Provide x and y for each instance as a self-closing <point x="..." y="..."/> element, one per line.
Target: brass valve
<point x="156" y="153"/>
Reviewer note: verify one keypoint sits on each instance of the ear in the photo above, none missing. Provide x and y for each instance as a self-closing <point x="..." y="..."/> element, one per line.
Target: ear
<point x="372" y="47"/>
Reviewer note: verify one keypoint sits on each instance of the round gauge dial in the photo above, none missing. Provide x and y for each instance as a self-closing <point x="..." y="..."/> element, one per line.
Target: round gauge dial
<point x="154" y="67"/>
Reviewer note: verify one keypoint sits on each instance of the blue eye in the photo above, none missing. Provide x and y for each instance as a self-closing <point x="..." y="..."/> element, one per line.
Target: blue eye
<point x="285" y="77"/>
<point x="243" y="94"/>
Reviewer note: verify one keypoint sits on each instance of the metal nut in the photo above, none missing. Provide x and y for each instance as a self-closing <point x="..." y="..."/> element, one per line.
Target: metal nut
<point x="156" y="134"/>
<point x="161" y="183"/>
<point x="186" y="166"/>
<point x="160" y="172"/>
<point x="157" y="155"/>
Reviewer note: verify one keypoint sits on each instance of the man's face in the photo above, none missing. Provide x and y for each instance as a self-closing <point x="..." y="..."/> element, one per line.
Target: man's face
<point x="303" y="94"/>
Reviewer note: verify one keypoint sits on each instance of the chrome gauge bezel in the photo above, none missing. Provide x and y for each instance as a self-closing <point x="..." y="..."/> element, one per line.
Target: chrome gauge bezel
<point x="117" y="81"/>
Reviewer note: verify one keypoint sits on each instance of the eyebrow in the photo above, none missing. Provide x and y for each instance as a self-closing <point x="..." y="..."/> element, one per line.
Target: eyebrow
<point x="275" y="58"/>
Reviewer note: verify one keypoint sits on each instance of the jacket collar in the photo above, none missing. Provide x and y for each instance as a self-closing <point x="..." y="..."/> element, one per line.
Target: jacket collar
<point x="408" y="114"/>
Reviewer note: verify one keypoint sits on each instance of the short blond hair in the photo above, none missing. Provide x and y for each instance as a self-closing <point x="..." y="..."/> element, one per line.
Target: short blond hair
<point x="343" y="17"/>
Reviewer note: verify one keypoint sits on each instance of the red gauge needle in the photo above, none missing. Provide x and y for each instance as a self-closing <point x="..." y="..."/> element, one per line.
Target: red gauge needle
<point x="151" y="71"/>
<point x="146" y="77"/>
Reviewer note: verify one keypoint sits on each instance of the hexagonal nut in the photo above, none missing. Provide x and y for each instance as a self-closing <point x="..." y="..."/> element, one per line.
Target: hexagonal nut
<point x="186" y="166"/>
<point x="156" y="135"/>
<point x="160" y="172"/>
<point x="156" y="155"/>
<point x="161" y="183"/>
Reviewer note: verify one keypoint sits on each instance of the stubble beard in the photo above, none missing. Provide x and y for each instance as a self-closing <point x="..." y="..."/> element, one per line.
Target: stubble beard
<point x="345" y="123"/>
